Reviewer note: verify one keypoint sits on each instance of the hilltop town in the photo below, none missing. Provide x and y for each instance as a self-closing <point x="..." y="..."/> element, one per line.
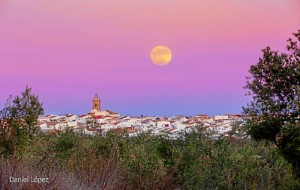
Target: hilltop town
<point x="98" y="121"/>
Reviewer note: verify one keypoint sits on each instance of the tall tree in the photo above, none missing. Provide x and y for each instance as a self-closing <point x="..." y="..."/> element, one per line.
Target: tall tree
<point x="274" y="112"/>
<point x="18" y="121"/>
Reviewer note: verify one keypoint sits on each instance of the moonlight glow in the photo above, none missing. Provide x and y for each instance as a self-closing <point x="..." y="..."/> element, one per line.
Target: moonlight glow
<point x="161" y="55"/>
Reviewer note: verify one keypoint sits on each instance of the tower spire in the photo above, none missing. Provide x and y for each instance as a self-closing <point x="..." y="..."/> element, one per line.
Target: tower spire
<point x="96" y="103"/>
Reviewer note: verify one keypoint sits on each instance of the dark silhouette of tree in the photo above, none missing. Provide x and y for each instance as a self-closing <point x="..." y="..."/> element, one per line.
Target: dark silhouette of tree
<point x="274" y="111"/>
<point x="18" y="121"/>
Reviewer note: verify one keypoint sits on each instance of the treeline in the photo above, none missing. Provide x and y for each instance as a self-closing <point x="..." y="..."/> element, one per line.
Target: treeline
<point x="116" y="161"/>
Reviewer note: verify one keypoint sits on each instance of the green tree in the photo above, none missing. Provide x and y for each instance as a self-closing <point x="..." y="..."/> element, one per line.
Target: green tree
<point x="274" y="112"/>
<point x="18" y="121"/>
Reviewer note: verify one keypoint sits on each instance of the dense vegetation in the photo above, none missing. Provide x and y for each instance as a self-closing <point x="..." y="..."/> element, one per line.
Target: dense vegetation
<point x="73" y="161"/>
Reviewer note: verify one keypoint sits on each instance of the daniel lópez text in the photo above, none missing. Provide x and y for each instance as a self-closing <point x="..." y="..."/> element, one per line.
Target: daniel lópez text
<point x="28" y="179"/>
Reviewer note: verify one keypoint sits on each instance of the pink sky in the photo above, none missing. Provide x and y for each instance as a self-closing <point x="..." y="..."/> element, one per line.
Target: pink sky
<point x="68" y="50"/>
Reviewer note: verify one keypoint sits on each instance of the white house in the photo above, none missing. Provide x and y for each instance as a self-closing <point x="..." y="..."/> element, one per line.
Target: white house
<point x="221" y="117"/>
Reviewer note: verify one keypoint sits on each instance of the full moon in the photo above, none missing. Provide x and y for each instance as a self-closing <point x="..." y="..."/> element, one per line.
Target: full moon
<point x="161" y="55"/>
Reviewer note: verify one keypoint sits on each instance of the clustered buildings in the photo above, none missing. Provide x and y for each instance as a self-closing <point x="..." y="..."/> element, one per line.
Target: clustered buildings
<point x="97" y="121"/>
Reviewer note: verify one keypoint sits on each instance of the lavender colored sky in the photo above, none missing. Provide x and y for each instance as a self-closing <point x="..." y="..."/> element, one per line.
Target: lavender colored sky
<point x="67" y="50"/>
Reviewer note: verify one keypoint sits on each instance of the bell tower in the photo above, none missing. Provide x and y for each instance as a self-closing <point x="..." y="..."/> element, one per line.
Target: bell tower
<point x="96" y="103"/>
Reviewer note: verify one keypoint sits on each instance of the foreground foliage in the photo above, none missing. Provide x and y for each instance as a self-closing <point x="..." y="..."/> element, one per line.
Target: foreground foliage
<point x="116" y="161"/>
<point x="18" y="121"/>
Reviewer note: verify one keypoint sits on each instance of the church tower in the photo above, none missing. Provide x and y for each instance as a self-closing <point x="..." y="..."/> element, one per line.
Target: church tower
<point x="96" y="103"/>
